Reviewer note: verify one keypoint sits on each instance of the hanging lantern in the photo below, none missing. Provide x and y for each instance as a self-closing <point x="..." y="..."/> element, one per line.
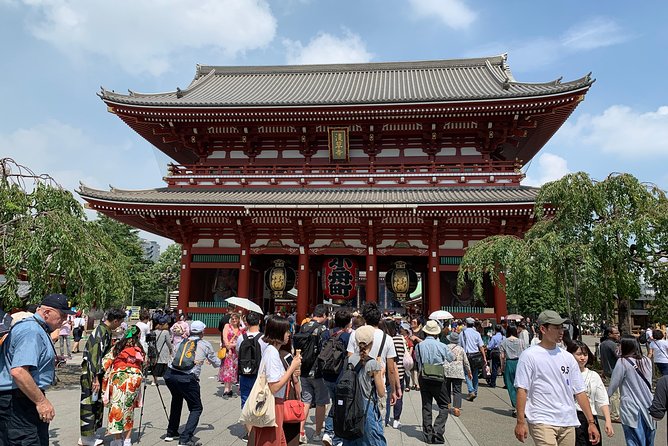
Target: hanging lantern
<point x="279" y="279"/>
<point x="401" y="281"/>
<point x="339" y="279"/>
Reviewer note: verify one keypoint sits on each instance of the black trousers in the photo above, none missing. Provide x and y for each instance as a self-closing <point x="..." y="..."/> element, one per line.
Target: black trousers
<point x="429" y="391"/>
<point x="183" y="386"/>
<point x="20" y="424"/>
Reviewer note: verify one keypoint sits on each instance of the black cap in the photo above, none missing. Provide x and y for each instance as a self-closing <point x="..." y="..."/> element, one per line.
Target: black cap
<point x="57" y="301"/>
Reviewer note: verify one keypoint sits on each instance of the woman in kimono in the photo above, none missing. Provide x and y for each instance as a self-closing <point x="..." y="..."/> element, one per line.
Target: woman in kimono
<point x="122" y="385"/>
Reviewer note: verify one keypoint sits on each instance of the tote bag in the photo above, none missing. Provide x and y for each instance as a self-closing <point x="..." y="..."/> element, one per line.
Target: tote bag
<point x="260" y="409"/>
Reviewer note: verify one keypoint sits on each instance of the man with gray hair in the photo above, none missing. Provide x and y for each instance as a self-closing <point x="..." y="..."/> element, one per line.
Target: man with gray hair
<point x="182" y="379"/>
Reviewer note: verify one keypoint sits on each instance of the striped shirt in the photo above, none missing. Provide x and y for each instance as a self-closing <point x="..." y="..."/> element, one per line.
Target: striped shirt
<point x="401" y="351"/>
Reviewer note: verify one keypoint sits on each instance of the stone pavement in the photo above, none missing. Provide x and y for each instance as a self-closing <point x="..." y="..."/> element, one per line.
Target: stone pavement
<point x="219" y="422"/>
<point x="484" y="422"/>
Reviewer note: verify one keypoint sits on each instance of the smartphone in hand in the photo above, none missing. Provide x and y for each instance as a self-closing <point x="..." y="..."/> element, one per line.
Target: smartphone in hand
<point x="288" y="359"/>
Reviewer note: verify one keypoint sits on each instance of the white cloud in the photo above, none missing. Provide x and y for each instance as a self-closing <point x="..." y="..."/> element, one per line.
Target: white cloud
<point x="142" y="36"/>
<point x="69" y="155"/>
<point x="534" y="52"/>
<point x="548" y="167"/>
<point x="620" y="131"/>
<point x="454" y="14"/>
<point x="326" y="48"/>
<point x="595" y="33"/>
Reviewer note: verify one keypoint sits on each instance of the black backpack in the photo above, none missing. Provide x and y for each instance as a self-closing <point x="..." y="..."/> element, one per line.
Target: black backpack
<point x="184" y="358"/>
<point x="349" y="408"/>
<point x="331" y="358"/>
<point x="642" y="339"/>
<point x="308" y="341"/>
<point x="250" y="355"/>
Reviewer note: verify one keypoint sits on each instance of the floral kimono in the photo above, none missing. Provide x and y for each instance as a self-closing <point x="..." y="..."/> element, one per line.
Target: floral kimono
<point x="121" y="388"/>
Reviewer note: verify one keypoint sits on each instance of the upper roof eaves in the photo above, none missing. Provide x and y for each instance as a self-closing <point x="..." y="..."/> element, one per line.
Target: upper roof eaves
<point x="350" y="84"/>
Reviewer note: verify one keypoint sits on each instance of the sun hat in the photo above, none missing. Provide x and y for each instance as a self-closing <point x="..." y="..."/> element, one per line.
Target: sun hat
<point x="453" y="337"/>
<point x="432" y="328"/>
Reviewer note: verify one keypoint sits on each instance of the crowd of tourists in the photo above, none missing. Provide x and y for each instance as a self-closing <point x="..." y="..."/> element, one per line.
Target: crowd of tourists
<point x="352" y="367"/>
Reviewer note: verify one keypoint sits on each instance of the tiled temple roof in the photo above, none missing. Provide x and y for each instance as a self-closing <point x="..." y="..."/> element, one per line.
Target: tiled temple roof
<point x="457" y="80"/>
<point x="330" y="197"/>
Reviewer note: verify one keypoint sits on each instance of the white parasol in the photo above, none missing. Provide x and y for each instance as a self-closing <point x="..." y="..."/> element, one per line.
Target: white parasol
<point x="440" y="315"/>
<point x="245" y="304"/>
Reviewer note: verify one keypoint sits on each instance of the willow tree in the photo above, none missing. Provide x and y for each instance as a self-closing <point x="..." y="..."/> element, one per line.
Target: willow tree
<point x="46" y="239"/>
<point x="587" y="252"/>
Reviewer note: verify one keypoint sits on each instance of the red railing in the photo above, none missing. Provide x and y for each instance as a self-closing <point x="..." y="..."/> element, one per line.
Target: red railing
<point x="345" y="174"/>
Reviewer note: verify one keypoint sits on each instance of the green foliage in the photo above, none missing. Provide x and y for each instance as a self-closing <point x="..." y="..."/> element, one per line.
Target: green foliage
<point x="46" y="238"/>
<point x="590" y="246"/>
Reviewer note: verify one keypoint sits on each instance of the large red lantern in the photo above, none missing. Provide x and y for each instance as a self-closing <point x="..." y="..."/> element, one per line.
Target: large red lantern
<point x="339" y="279"/>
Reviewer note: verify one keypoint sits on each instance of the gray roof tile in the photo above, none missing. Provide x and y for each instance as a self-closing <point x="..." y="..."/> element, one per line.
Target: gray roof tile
<point x="311" y="197"/>
<point x="350" y="84"/>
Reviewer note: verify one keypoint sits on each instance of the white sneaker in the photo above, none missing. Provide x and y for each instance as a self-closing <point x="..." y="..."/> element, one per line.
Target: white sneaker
<point x="90" y="441"/>
<point x="169" y="438"/>
<point x="303" y="439"/>
<point x="396" y="424"/>
<point x="326" y="440"/>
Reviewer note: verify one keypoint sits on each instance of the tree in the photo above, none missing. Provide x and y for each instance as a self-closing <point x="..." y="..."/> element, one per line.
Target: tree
<point x="590" y="246"/>
<point x="168" y="269"/>
<point x="46" y="238"/>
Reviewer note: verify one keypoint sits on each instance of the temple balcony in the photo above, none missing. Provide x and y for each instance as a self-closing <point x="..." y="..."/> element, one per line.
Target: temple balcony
<point x="473" y="174"/>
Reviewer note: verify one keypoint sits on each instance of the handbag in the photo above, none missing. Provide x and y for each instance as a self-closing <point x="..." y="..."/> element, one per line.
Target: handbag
<point x="222" y="353"/>
<point x="293" y="410"/>
<point x="407" y="358"/>
<point x="260" y="407"/>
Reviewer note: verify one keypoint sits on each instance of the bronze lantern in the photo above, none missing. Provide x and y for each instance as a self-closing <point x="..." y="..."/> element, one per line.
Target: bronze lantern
<point x="401" y="280"/>
<point x="279" y="278"/>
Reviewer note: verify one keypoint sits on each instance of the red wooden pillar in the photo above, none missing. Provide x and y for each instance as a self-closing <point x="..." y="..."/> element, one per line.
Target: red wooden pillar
<point x="302" y="284"/>
<point x="243" y="289"/>
<point x="434" y="277"/>
<point x="184" y="284"/>
<point x="371" y="275"/>
<point x="500" y="300"/>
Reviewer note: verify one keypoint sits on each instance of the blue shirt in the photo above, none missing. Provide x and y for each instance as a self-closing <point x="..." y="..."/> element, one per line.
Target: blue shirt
<point x="431" y="351"/>
<point x="495" y="341"/>
<point x="470" y="340"/>
<point x="28" y="344"/>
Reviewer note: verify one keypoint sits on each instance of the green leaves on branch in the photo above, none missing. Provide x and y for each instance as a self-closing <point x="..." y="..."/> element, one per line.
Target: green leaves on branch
<point x="591" y="245"/>
<point x="47" y="240"/>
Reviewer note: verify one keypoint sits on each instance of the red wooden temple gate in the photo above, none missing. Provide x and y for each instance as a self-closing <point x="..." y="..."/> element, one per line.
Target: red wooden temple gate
<point x="376" y="163"/>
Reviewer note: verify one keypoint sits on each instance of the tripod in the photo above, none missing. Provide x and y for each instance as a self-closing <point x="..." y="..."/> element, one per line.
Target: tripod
<point x="141" y="413"/>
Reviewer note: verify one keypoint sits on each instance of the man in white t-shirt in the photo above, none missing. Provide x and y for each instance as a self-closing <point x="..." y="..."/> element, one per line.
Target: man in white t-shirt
<point x="372" y="315"/>
<point x="547" y="379"/>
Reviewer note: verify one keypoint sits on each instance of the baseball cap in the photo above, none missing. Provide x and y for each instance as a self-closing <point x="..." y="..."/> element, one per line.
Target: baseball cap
<point x="197" y="327"/>
<point x="470" y="320"/>
<point x="58" y="302"/>
<point x="550" y="317"/>
<point x="365" y="334"/>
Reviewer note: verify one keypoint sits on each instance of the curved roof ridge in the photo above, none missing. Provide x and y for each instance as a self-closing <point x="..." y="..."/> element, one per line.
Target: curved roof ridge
<point x="370" y="66"/>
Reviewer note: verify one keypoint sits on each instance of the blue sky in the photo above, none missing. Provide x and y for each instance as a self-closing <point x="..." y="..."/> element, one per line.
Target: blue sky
<point x="57" y="53"/>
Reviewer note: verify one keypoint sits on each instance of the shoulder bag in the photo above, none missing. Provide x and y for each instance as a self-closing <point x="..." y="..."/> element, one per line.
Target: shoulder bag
<point x="475" y="359"/>
<point x="431" y="372"/>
